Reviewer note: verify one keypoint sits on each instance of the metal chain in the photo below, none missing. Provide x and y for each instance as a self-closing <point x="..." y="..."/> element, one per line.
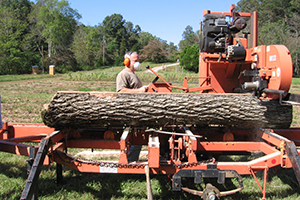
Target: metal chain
<point x="187" y="164"/>
<point x="99" y="163"/>
<point x="130" y="165"/>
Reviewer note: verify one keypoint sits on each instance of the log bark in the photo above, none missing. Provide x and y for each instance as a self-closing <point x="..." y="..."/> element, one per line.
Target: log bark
<point x="96" y="109"/>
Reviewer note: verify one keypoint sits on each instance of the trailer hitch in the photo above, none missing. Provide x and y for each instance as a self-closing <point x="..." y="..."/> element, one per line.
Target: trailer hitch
<point x="211" y="172"/>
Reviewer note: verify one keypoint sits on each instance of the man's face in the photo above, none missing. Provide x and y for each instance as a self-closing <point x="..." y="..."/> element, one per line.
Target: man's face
<point x="134" y="57"/>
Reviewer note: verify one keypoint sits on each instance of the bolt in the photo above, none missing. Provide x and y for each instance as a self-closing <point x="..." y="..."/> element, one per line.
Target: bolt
<point x="211" y="196"/>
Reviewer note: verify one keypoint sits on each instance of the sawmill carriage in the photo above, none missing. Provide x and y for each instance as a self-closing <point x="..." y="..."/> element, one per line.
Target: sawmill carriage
<point x="241" y="105"/>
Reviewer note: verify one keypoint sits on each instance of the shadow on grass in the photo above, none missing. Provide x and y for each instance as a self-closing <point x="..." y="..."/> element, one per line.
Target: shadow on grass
<point x="130" y="186"/>
<point x="13" y="175"/>
<point x="109" y="186"/>
<point x="287" y="177"/>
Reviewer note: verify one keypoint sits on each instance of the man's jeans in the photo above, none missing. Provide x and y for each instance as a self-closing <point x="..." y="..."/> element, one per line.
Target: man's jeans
<point x="134" y="152"/>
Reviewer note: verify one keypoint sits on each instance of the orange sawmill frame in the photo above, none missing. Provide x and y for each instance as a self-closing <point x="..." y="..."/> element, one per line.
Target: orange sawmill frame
<point x="273" y="144"/>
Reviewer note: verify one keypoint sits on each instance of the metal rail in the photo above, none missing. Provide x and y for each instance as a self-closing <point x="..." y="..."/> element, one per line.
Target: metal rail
<point x="277" y="148"/>
<point x="29" y="191"/>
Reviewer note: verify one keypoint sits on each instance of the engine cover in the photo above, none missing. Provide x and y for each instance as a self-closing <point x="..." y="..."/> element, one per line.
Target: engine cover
<point x="214" y="33"/>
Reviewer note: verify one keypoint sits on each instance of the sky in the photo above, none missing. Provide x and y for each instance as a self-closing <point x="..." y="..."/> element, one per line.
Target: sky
<point x="165" y="19"/>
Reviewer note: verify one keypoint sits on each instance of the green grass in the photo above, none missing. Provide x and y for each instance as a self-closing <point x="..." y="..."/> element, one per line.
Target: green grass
<point x="6" y="78"/>
<point x="173" y="74"/>
<point x="22" y="99"/>
<point x="76" y="185"/>
<point x="296" y="81"/>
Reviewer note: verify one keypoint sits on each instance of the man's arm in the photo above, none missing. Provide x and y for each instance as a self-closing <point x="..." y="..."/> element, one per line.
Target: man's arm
<point x="139" y="90"/>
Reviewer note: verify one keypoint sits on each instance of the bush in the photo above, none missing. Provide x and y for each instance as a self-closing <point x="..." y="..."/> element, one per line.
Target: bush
<point x="189" y="58"/>
<point x="118" y="61"/>
<point x="62" y="68"/>
<point x="99" y="62"/>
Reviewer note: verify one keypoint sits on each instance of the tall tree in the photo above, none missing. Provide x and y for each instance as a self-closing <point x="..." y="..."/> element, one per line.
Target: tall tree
<point x="16" y="52"/>
<point x="120" y="36"/>
<point x="173" y="50"/>
<point x="132" y="36"/>
<point x="144" y="38"/>
<point x="155" y="51"/>
<point x="114" y="31"/>
<point x="88" y="46"/>
<point x="189" y="38"/>
<point x="80" y="47"/>
<point x="55" y="22"/>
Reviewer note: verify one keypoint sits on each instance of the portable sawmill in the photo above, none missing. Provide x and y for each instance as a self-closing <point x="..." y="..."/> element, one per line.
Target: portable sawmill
<point x="242" y="105"/>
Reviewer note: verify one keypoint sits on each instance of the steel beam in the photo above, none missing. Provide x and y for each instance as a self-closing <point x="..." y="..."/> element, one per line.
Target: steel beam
<point x="32" y="180"/>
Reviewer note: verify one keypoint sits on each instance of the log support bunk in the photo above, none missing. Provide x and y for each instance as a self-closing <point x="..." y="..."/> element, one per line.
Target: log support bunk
<point x="180" y="152"/>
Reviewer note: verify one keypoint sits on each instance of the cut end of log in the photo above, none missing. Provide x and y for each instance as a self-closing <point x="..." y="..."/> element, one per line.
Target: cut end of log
<point x="45" y="106"/>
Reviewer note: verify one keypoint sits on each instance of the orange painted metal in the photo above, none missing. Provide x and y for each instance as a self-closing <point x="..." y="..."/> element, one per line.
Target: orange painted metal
<point x="188" y="145"/>
<point x="160" y="88"/>
<point x="263" y="190"/>
<point x="231" y="12"/>
<point x="254" y="34"/>
<point x="191" y="144"/>
<point x="228" y="136"/>
<point x="12" y="134"/>
<point x="153" y="151"/>
<point x="293" y="134"/>
<point x="124" y="147"/>
<point x="15" y="148"/>
<point x="34" y="138"/>
<point x="278" y="67"/>
<point x="16" y="130"/>
<point x="94" y="144"/>
<point x="218" y="74"/>
<point x="242" y="168"/>
<point x="235" y="146"/>
<point x="225" y="76"/>
<point x="109" y="135"/>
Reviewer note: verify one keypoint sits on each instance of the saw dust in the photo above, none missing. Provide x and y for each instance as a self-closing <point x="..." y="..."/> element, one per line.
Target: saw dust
<point x="108" y="155"/>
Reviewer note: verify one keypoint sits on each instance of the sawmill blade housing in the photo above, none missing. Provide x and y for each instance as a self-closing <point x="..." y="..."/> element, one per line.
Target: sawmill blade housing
<point x="231" y="61"/>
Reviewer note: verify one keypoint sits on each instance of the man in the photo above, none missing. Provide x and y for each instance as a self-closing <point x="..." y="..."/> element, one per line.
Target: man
<point x="127" y="81"/>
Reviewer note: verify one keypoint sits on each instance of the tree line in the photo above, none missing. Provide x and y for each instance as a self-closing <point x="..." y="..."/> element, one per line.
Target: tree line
<point x="47" y="32"/>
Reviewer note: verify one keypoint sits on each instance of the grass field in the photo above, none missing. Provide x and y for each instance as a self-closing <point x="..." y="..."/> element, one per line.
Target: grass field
<point x="22" y="98"/>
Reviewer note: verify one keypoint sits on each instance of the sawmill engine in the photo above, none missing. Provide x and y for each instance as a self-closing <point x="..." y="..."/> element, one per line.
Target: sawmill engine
<point x="217" y="36"/>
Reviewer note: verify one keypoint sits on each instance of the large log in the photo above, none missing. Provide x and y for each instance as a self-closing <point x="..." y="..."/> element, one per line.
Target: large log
<point x="96" y="109"/>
